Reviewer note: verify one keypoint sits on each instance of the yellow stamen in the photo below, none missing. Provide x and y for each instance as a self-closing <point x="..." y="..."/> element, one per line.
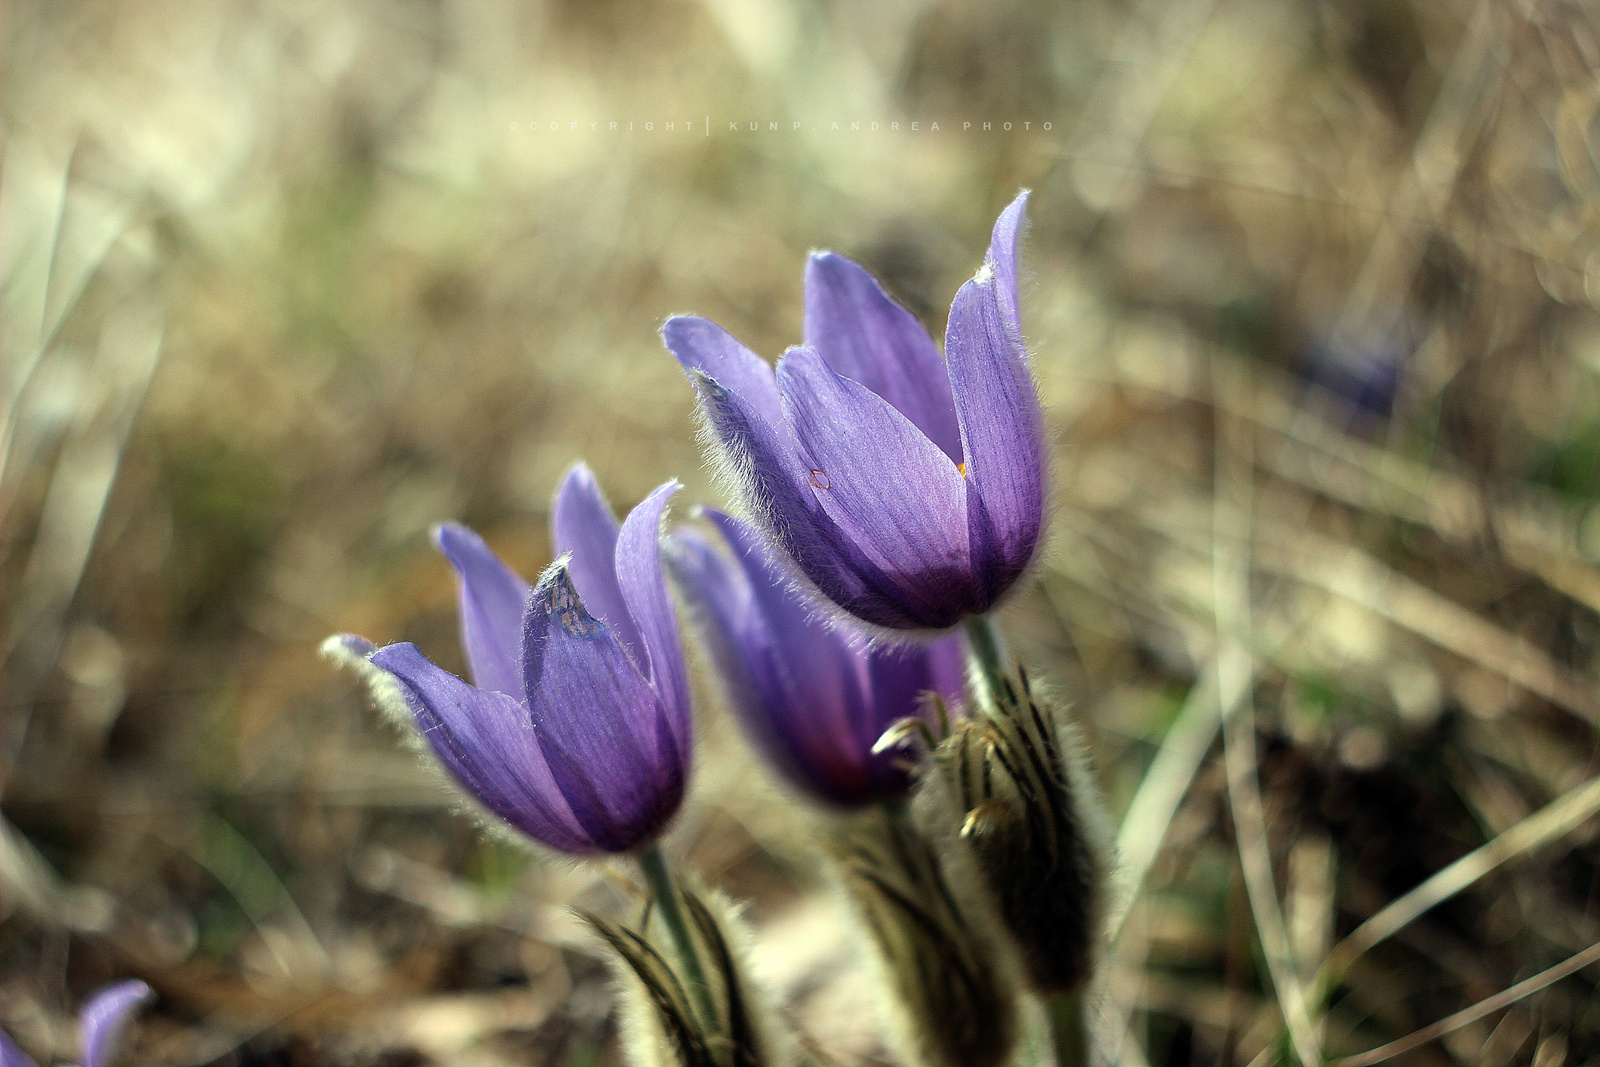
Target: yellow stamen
<point x="962" y="467"/>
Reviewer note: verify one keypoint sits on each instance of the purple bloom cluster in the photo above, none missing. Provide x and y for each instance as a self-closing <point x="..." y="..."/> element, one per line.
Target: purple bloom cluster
<point x="576" y="729"/>
<point x="904" y="487"/>
<point x="98" y="1023"/>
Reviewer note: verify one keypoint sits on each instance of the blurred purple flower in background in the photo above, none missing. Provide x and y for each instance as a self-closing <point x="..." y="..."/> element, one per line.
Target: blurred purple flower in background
<point x="1361" y="371"/>
<point x="576" y="730"/>
<point x="907" y="488"/>
<point x="99" y="1023"/>
<point x="815" y="697"/>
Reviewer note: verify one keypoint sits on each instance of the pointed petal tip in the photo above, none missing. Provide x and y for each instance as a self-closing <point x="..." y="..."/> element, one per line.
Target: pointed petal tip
<point x="674" y="323"/>
<point x="1014" y="210"/>
<point x="348" y="649"/>
<point x="559" y="569"/>
<point x="1010" y="223"/>
<point x="684" y="337"/>
<point x="390" y="657"/>
<point x="827" y="267"/>
<point x="461" y="546"/>
<point x="128" y="992"/>
<point x="678" y="331"/>
<point x="103" y="1017"/>
<point x="666" y="491"/>
<point x="557" y="596"/>
<point x="579" y="473"/>
<point x="796" y="351"/>
<point x="450" y="537"/>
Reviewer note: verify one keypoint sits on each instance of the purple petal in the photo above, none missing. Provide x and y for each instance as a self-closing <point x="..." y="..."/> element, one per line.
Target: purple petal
<point x="493" y="598"/>
<point x="701" y="345"/>
<point x="759" y="452"/>
<point x="739" y="396"/>
<point x="722" y="602"/>
<point x="816" y="664"/>
<point x="904" y="675"/>
<point x="897" y="679"/>
<point x="867" y="337"/>
<point x="11" y="1055"/>
<point x="644" y="587"/>
<point x="716" y="588"/>
<point x="892" y="491"/>
<point x="1002" y="429"/>
<point x="947" y="669"/>
<point x="605" y="733"/>
<point x="794" y="685"/>
<point x="583" y="526"/>
<point x="762" y="459"/>
<point x="487" y="741"/>
<point x="1004" y="243"/>
<point x="103" y="1015"/>
<point x="813" y="697"/>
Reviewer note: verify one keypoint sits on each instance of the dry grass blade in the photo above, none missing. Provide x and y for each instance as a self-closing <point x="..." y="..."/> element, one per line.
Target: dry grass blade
<point x="1467" y="1016"/>
<point x="1255" y="855"/>
<point x="1453" y="123"/>
<point x="1355" y="576"/>
<point x="1235" y="674"/>
<point x="29" y="884"/>
<point x="1154" y="41"/>
<point x="240" y="868"/>
<point x="1162" y="789"/>
<point x="1556" y="819"/>
<point x="33" y="194"/>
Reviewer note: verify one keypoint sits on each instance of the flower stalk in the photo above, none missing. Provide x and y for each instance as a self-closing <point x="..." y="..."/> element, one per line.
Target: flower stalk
<point x="984" y="651"/>
<point x="1030" y="819"/>
<point x="665" y="897"/>
<point x="690" y="1002"/>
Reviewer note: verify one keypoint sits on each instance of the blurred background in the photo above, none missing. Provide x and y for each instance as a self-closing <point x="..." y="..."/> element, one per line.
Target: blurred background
<point x="1312" y="290"/>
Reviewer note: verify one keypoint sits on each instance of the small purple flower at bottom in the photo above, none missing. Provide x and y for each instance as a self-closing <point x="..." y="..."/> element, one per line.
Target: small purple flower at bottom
<point x="906" y="487"/>
<point x="814" y="696"/>
<point x="99" y="1023"/>
<point x="576" y="729"/>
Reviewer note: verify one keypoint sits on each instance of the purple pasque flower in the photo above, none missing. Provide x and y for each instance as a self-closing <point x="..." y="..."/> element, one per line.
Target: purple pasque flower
<point x="576" y="729"/>
<point x="907" y="488"/>
<point x="814" y="694"/>
<point x="99" y="1023"/>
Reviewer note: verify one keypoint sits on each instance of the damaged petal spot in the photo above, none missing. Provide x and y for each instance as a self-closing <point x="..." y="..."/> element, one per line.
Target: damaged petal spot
<point x="819" y="480"/>
<point x="569" y="610"/>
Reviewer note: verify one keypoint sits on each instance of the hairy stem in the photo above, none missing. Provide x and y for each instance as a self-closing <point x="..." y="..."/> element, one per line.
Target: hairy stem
<point x="666" y="900"/>
<point x="983" y="649"/>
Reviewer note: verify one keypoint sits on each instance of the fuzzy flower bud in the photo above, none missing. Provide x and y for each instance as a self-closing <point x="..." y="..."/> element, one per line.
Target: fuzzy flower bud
<point x="667" y="1022"/>
<point x="950" y="1002"/>
<point x="1031" y="815"/>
